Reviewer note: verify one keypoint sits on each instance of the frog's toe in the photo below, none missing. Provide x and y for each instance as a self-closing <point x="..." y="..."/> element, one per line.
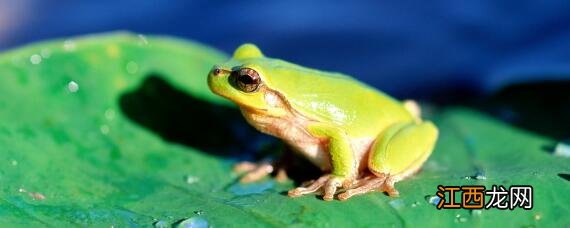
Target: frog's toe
<point x="311" y="187"/>
<point x="281" y="175"/>
<point x="327" y="184"/>
<point x="244" y="167"/>
<point x="388" y="187"/>
<point x="257" y="173"/>
<point x="331" y="186"/>
<point x="363" y="186"/>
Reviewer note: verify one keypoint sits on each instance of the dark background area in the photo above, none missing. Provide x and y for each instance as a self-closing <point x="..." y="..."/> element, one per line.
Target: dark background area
<point x="403" y="47"/>
<point x="444" y="51"/>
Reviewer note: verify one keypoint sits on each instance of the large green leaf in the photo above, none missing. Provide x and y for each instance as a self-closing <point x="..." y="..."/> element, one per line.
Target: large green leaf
<point x="121" y="130"/>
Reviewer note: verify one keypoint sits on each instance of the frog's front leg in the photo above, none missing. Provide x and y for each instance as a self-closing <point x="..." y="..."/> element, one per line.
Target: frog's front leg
<point x="397" y="153"/>
<point x="257" y="171"/>
<point x="344" y="167"/>
<point x="253" y="171"/>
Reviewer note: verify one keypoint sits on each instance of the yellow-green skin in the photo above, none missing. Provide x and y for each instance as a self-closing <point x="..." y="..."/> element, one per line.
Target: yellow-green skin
<point x="340" y="109"/>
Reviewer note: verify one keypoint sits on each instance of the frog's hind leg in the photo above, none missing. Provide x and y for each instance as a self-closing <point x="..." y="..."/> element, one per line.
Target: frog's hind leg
<point x="398" y="153"/>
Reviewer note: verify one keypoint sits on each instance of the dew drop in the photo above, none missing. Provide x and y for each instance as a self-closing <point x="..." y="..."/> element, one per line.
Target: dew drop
<point x="537" y="216"/>
<point x="415" y="204"/>
<point x="36" y="59"/>
<point x="194" y="222"/>
<point x="433" y="199"/>
<point x="104" y="129"/>
<point x="132" y="67"/>
<point x="479" y="175"/>
<point x="160" y="224"/>
<point x="72" y="86"/>
<point x="562" y="149"/>
<point x="199" y="212"/>
<point x="45" y="53"/>
<point x="191" y="179"/>
<point x="476" y="212"/>
<point x="459" y="219"/>
<point x="14" y="162"/>
<point x="109" y="114"/>
<point x="69" y="45"/>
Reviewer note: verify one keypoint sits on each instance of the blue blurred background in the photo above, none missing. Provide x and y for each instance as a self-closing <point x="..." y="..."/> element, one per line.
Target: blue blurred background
<point x="402" y="47"/>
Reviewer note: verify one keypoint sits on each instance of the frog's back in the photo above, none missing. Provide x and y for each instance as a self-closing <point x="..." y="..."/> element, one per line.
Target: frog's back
<point x="335" y="98"/>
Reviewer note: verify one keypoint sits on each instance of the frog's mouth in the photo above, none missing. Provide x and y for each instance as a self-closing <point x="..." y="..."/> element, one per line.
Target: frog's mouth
<point x="220" y="82"/>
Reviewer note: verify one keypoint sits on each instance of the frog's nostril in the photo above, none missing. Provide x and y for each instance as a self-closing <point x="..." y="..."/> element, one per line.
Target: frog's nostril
<point x="218" y="71"/>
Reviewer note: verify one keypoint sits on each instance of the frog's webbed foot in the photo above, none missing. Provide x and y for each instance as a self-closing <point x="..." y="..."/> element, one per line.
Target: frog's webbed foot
<point x="371" y="184"/>
<point x="327" y="184"/>
<point x="257" y="171"/>
<point x="309" y="187"/>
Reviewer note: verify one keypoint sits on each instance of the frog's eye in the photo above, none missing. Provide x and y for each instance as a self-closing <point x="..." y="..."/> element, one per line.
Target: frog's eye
<point x="247" y="80"/>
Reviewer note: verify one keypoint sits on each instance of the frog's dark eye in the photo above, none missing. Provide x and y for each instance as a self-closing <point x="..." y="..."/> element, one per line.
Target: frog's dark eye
<point x="247" y="80"/>
<point x="217" y="71"/>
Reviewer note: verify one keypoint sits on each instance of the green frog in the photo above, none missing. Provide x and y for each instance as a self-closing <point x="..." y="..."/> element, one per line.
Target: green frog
<point x="362" y="139"/>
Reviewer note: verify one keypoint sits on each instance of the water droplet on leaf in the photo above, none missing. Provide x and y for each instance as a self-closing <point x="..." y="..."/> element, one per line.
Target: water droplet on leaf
<point x="562" y="149"/>
<point x="194" y="222"/>
<point x="36" y="59"/>
<point x="132" y="67"/>
<point x="433" y="199"/>
<point x="476" y="212"/>
<point x="199" y="212"/>
<point x="480" y="175"/>
<point x="104" y="129"/>
<point x="109" y="114"/>
<point x="537" y="216"/>
<point x="192" y="179"/>
<point x="160" y="224"/>
<point x="415" y="204"/>
<point x="45" y="53"/>
<point x="72" y="86"/>
<point x="460" y="219"/>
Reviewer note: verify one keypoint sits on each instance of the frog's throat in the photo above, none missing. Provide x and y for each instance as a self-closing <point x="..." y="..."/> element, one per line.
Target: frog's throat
<point x="289" y="126"/>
